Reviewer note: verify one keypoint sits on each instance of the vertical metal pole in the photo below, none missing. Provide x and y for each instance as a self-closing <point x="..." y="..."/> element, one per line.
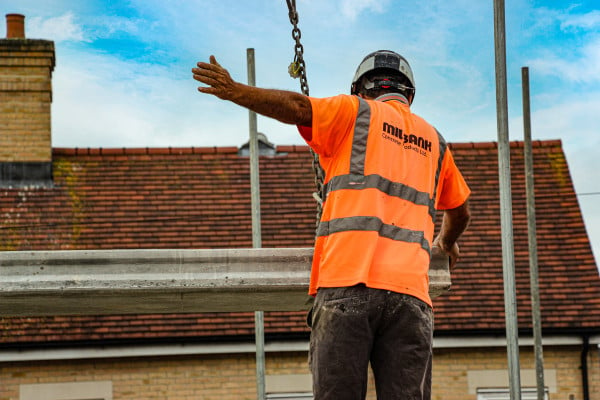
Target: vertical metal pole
<point x="508" y="264"/>
<point x="532" y="235"/>
<point x="259" y="328"/>
<point x="254" y="172"/>
<point x="259" y="325"/>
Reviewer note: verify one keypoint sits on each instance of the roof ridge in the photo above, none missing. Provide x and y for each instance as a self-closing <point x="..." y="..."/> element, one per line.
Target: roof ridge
<point x="280" y="148"/>
<point x="141" y="150"/>
<point x="292" y="148"/>
<point x="120" y="151"/>
<point x="513" y="143"/>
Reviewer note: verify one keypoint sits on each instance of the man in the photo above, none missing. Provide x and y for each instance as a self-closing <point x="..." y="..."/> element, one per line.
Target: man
<point x="387" y="171"/>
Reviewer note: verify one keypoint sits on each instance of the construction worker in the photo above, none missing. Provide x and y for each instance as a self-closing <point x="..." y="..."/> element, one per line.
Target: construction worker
<point x="386" y="172"/>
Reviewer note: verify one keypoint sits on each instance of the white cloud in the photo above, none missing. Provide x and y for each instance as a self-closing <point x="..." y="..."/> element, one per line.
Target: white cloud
<point x="58" y="29"/>
<point x="579" y="68"/>
<point x="568" y="19"/>
<point x="568" y="44"/>
<point x="352" y="8"/>
<point x="65" y="27"/>
<point x="587" y="21"/>
<point x="107" y="26"/>
<point x="101" y="101"/>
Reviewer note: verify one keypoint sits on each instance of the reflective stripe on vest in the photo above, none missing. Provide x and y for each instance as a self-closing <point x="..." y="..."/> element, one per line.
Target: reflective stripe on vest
<point x="443" y="147"/>
<point x="356" y="180"/>
<point x="373" y="224"/>
<point x="359" y="141"/>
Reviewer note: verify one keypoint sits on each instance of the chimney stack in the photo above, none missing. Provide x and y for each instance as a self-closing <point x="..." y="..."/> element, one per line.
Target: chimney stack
<point x="26" y="67"/>
<point x="15" y="26"/>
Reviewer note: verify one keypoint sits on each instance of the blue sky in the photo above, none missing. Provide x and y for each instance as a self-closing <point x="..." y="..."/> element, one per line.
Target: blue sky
<point x="122" y="76"/>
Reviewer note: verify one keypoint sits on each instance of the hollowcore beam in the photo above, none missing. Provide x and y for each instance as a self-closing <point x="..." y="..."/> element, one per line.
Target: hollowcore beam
<point x="99" y="282"/>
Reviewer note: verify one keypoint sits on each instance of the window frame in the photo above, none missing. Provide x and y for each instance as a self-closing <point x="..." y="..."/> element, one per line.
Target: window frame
<point x="527" y="393"/>
<point x="89" y="390"/>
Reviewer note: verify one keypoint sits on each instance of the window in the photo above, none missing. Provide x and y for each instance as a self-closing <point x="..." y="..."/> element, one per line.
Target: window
<point x="290" y="396"/>
<point x="494" y="383"/>
<point x="101" y="390"/>
<point x="504" y="394"/>
<point x="289" y="387"/>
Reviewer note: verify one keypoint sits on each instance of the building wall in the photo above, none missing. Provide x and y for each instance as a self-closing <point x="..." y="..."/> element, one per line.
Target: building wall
<point x="455" y="370"/>
<point x="25" y="99"/>
<point x="189" y="377"/>
<point x="227" y="377"/>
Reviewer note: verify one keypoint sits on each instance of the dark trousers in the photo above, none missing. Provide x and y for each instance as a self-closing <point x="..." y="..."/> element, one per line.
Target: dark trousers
<point x="356" y="325"/>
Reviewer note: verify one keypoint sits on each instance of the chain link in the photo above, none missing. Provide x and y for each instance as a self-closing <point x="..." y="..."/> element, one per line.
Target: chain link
<point x="297" y="69"/>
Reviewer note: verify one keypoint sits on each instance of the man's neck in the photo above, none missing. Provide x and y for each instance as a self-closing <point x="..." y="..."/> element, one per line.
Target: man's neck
<point x="393" y="96"/>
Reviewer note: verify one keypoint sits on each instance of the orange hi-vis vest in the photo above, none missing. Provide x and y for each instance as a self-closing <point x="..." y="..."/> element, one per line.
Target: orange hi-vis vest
<point x="386" y="172"/>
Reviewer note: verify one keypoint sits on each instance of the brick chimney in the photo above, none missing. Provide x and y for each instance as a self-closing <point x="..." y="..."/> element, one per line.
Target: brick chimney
<point x="26" y="67"/>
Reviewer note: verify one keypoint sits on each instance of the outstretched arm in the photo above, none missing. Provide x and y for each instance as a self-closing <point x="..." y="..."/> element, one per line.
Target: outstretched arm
<point x="285" y="106"/>
<point x="454" y="223"/>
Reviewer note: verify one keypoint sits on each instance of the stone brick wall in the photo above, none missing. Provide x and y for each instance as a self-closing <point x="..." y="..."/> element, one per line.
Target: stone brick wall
<point x="229" y="377"/>
<point x="209" y="377"/>
<point x="25" y="97"/>
<point x="562" y="365"/>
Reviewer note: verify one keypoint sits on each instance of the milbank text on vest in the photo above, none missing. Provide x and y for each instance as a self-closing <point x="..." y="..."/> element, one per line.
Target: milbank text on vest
<point x="410" y="142"/>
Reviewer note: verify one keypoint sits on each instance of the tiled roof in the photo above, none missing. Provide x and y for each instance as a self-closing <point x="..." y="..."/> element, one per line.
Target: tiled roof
<point x="569" y="280"/>
<point x="161" y="198"/>
<point x="200" y="198"/>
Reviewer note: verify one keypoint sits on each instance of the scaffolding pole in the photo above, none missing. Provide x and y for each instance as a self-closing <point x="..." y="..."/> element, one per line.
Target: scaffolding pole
<point x="508" y="264"/>
<point x="259" y="325"/>
<point x="532" y="236"/>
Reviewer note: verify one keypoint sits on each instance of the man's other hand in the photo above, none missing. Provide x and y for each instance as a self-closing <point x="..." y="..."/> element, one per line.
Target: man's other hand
<point x="219" y="82"/>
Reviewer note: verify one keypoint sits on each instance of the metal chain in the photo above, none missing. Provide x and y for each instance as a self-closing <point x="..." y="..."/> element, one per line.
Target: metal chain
<point x="297" y="69"/>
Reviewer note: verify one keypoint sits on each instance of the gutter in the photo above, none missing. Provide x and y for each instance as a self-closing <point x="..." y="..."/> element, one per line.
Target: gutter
<point x="584" y="367"/>
<point x="123" y="350"/>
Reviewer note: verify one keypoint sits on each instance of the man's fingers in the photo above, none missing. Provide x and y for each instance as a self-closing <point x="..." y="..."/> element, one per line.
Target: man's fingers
<point x="201" y="75"/>
<point x="213" y="61"/>
<point x="203" y="70"/>
<point x="212" y="65"/>
<point x="452" y="262"/>
<point x="204" y="65"/>
<point x="206" y="89"/>
<point x="206" y="80"/>
<point x="208" y="68"/>
<point x="197" y="75"/>
<point x="206" y="76"/>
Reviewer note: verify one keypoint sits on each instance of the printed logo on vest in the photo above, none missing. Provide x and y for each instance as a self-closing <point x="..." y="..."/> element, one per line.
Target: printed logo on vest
<point x="409" y="141"/>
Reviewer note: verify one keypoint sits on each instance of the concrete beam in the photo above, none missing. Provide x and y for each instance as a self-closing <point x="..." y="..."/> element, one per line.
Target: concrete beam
<point x="97" y="282"/>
